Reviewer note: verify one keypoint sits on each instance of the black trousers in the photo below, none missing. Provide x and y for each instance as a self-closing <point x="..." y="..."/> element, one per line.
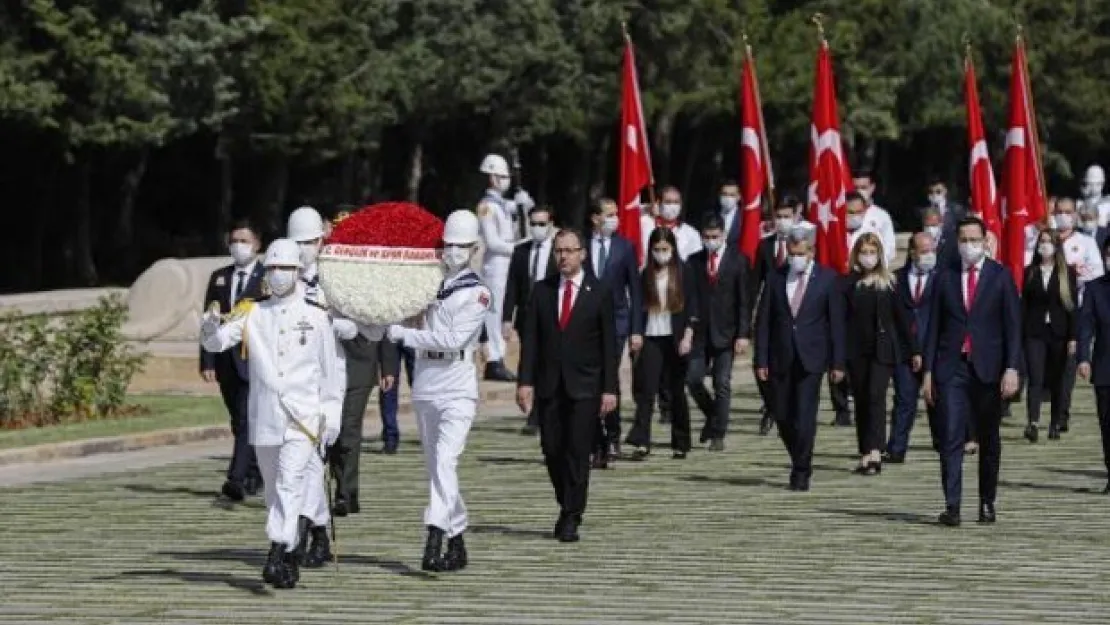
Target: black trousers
<point x="609" y="426"/>
<point x="1045" y="364"/>
<point x="1070" y="367"/>
<point x="714" y="406"/>
<point x="362" y="364"/>
<point x="1102" y="403"/>
<point x="658" y="366"/>
<point x="236" y="395"/>
<point x="796" y="393"/>
<point x="869" y="381"/>
<point x="964" y="400"/>
<point x="567" y="430"/>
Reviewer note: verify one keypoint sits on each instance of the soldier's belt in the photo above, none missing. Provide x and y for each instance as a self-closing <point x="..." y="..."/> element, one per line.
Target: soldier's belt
<point x="455" y="355"/>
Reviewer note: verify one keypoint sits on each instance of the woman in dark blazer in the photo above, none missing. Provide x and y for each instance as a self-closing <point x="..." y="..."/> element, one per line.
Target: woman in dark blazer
<point x="1048" y="311"/>
<point x="880" y="336"/>
<point x="660" y="355"/>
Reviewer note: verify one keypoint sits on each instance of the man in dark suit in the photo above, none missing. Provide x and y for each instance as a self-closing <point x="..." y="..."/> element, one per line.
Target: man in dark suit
<point x="1094" y="360"/>
<point x="721" y="279"/>
<point x="241" y="280"/>
<point x="568" y="363"/>
<point x="972" y="357"/>
<point x="612" y="260"/>
<point x="531" y="262"/>
<point x="800" y="337"/>
<point x="943" y="226"/>
<point x="914" y="284"/>
<point x="772" y="257"/>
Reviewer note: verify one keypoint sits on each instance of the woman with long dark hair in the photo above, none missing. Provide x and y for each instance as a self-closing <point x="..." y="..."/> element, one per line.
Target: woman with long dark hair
<point x="660" y="356"/>
<point x="1048" y="311"/>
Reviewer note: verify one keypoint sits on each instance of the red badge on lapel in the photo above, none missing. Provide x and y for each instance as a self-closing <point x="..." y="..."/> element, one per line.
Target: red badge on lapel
<point x="483" y="297"/>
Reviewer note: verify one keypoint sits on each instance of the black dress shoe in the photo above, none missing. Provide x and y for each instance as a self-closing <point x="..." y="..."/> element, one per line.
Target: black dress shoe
<point x="986" y="513"/>
<point x="679" y="455"/>
<point x="950" y="517"/>
<point x="455" y="559"/>
<point x="529" y="430"/>
<point x="559" y="524"/>
<point x="252" y="486"/>
<point x="894" y="458"/>
<point x="496" y="372"/>
<point x="319" y="553"/>
<point x="354" y="506"/>
<point x="433" y="560"/>
<point x="341" y="508"/>
<point x="843" y="420"/>
<point x="569" y="531"/>
<point x="288" y="572"/>
<point x="232" y="491"/>
<point x="389" y="449"/>
<point x="1054" y="433"/>
<point x="1031" y="433"/>
<point x="1064" y="425"/>
<point x="874" y="468"/>
<point x="1106" y="491"/>
<point x="273" y="563"/>
<point x="799" y="482"/>
<point x="766" y="424"/>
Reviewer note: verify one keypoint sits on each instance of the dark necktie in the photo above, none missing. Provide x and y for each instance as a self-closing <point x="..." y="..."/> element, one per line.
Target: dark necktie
<point x="602" y="255"/>
<point x="535" y="261"/>
<point x="780" y="257"/>
<point x="919" y="289"/>
<point x="240" y="286"/>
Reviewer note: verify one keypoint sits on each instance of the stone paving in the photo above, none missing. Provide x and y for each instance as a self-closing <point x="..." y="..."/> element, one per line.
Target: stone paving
<point x="714" y="539"/>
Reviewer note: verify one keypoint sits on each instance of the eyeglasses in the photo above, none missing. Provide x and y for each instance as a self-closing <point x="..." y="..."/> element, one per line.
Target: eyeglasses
<point x="538" y="224"/>
<point x="566" y="251"/>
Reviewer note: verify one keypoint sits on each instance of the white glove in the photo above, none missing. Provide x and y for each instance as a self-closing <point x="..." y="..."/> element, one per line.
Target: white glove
<point x="372" y="333"/>
<point x="331" y="432"/>
<point x="524" y="200"/>
<point x="209" y="323"/>
<point x="344" y="329"/>
<point x="395" y="333"/>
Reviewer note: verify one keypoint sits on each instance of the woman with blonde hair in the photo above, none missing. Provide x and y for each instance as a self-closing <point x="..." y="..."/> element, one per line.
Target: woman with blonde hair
<point x="1048" y="311"/>
<point x="880" y="331"/>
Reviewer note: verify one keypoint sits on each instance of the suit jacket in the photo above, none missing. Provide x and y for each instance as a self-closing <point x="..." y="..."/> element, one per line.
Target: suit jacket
<point x="816" y="337"/>
<point x="1100" y="237"/>
<point x="219" y="290"/>
<point x="1036" y="301"/>
<point x="382" y="358"/>
<point x="689" y="316"/>
<point x="889" y="330"/>
<point x="948" y="249"/>
<point x="518" y="287"/>
<point x="622" y="278"/>
<point x="725" y="304"/>
<point x="994" y="325"/>
<point x="920" y="311"/>
<point x="580" y="360"/>
<point x="1094" y="325"/>
<point x="764" y="263"/>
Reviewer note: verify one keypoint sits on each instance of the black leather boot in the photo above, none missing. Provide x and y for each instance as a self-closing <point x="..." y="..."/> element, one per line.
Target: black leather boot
<point x="433" y="561"/>
<point x="288" y="573"/>
<point x="302" y="539"/>
<point x="455" y="558"/>
<point x="273" y="563"/>
<point x="319" y="553"/>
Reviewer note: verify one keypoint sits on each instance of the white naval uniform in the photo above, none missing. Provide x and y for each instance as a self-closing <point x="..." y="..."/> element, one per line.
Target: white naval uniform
<point x="295" y="378"/>
<point x="687" y="237"/>
<point x="445" y="390"/>
<point x="1081" y="252"/>
<point x="495" y="215"/>
<point x="1102" y="205"/>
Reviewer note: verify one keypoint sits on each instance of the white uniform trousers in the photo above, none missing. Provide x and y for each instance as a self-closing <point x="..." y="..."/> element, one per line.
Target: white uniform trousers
<point x="495" y="276"/>
<point x="284" y="470"/>
<point x="315" y="495"/>
<point x="444" y="425"/>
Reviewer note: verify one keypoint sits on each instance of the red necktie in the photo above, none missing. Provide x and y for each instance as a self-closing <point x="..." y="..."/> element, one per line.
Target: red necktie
<point x="972" y="282"/>
<point x="780" y="256"/>
<point x="568" y="294"/>
<point x="713" y="267"/>
<point x="919" y="289"/>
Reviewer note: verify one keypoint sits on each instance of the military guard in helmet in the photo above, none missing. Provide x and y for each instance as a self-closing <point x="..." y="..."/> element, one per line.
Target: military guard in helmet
<point x="445" y="386"/>
<point x="496" y="215"/>
<point x="1094" y="182"/>
<point x="296" y="394"/>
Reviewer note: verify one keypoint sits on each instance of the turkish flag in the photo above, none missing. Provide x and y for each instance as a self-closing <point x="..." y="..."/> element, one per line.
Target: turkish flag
<point x="635" y="153"/>
<point x="755" y="162"/>
<point x="829" y="176"/>
<point x="984" y="192"/>
<point x="1023" y="200"/>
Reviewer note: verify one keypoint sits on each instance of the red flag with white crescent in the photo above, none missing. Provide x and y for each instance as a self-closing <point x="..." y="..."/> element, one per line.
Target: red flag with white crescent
<point x="984" y="192"/>
<point x="635" y="154"/>
<point x="829" y="176"/>
<point x="755" y="162"/>
<point x="1023" y="200"/>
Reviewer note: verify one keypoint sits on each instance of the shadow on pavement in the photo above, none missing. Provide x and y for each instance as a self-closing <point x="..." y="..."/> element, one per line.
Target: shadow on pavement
<point x="253" y="586"/>
<point x="505" y="530"/>
<point x="912" y="518"/>
<point x="736" y="481"/>
<point x="256" y="557"/>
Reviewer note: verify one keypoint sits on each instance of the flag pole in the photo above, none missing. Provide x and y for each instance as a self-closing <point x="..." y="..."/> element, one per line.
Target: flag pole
<point x="639" y="100"/>
<point x="1027" y="93"/>
<point x="769" y="173"/>
<point x="819" y="20"/>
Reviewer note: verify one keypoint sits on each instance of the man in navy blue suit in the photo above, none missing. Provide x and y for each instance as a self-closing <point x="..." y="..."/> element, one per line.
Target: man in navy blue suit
<point x="972" y="357"/>
<point x="612" y="260"/>
<point x="914" y="285"/>
<point x="1094" y="361"/>
<point x="800" y="337"/>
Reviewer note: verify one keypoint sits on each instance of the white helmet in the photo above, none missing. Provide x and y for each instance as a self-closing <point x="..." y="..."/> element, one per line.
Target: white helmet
<point x="283" y="253"/>
<point x="461" y="228"/>
<point x="494" y="165"/>
<point x="1094" y="175"/>
<point x="305" y="224"/>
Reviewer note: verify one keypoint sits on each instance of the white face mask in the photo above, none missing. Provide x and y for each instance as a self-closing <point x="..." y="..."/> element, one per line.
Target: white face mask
<point x="1046" y="250"/>
<point x="281" y="281"/>
<point x="609" y="225"/>
<point x="309" y="252"/>
<point x="241" y="253"/>
<point x="1091" y="190"/>
<point x="670" y="212"/>
<point x="927" y="261"/>
<point x="798" y="263"/>
<point x="455" y="257"/>
<point x="1089" y="227"/>
<point x="971" y="253"/>
<point x="937" y="199"/>
<point x="728" y="203"/>
<point x="868" y="261"/>
<point x="866" y="193"/>
<point x="933" y="231"/>
<point x="1064" y="221"/>
<point x="502" y="184"/>
<point x="539" y="233"/>
<point x="855" y="222"/>
<point x="783" y="225"/>
<point x="661" y="258"/>
<point x="712" y="245"/>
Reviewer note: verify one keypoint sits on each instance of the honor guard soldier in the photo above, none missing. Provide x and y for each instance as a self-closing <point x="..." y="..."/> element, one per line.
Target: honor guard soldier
<point x="1094" y="181"/>
<point x="445" y="386"/>
<point x="296" y="393"/>
<point x="496" y="216"/>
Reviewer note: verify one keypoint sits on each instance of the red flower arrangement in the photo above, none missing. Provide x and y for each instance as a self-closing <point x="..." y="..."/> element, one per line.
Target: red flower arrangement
<point x="389" y="224"/>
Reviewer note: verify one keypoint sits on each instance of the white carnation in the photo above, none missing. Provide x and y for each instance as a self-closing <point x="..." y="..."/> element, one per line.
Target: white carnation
<point x="379" y="293"/>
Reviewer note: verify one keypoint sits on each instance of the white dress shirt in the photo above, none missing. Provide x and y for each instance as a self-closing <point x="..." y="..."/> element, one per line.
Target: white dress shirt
<point x="978" y="278"/>
<point x="659" y="322"/>
<point x="544" y="252"/>
<point x="877" y="218"/>
<point x="247" y="271"/>
<point x="729" y="217"/>
<point x="576" y="283"/>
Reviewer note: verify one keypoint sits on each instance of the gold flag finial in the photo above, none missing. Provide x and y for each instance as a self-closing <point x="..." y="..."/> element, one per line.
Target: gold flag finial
<point x="819" y="21"/>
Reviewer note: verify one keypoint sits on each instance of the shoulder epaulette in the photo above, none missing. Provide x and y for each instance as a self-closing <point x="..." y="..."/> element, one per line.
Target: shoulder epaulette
<point x="316" y="304"/>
